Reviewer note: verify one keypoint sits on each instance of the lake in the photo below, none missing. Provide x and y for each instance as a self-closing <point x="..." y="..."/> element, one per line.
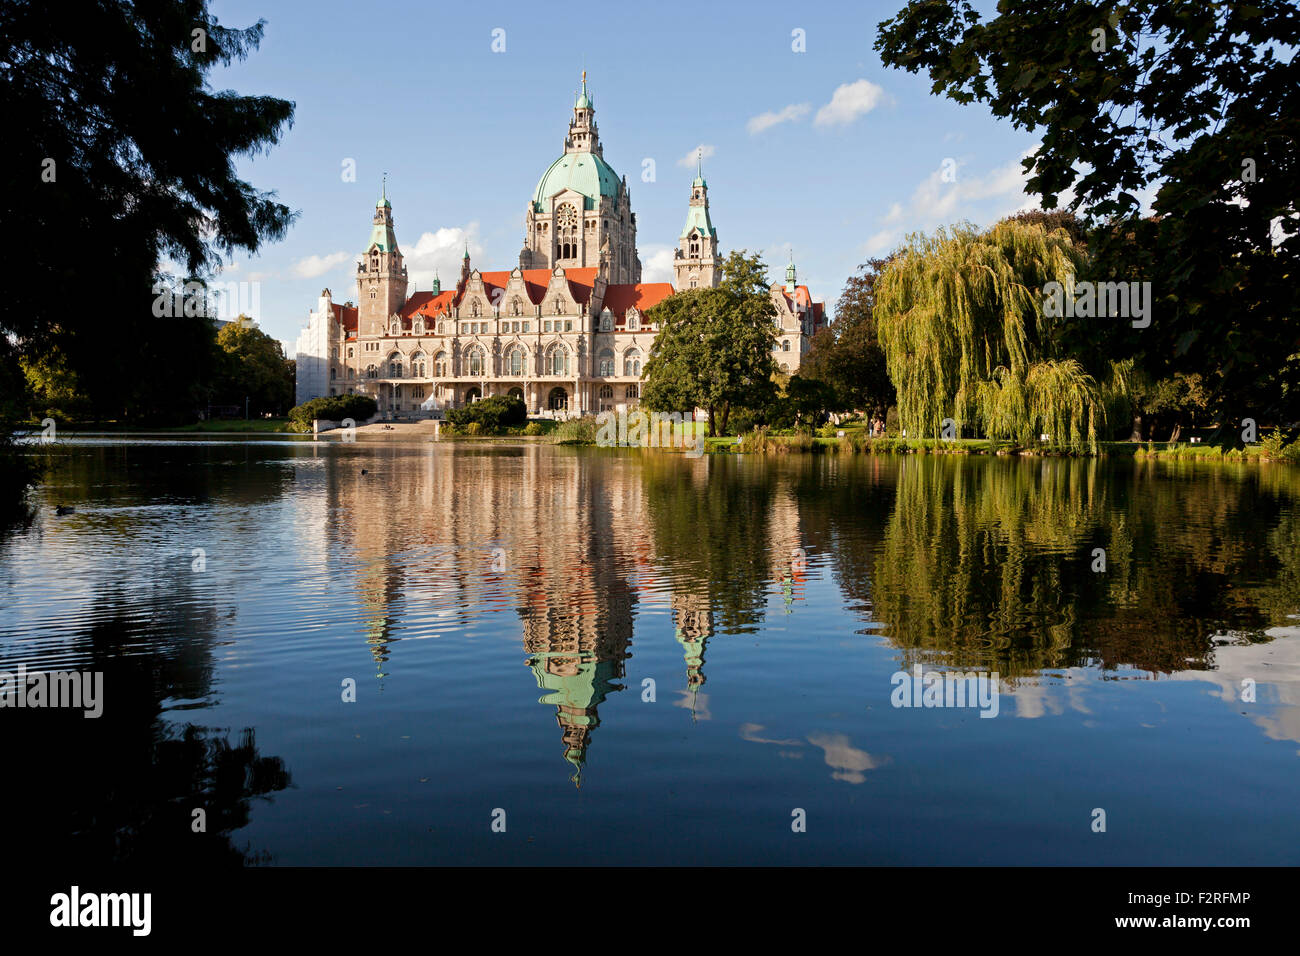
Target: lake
<point x="420" y="653"/>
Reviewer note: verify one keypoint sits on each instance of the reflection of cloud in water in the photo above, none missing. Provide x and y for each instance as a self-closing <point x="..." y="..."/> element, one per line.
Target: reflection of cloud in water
<point x="750" y="732"/>
<point x="1274" y="665"/>
<point x="849" y="762"/>
<point x="696" y="703"/>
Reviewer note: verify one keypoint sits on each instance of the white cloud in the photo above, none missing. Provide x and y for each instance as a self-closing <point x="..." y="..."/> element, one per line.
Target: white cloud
<point x="657" y="264"/>
<point x="882" y="241"/>
<point x="314" y="266"/>
<point x="703" y="151"/>
<point x="936" y="201"/>
<point x="940" y="201"/>
<point x="764" y="121"/>
<point x="848" y="102"/>
<point x="441" y="252"/>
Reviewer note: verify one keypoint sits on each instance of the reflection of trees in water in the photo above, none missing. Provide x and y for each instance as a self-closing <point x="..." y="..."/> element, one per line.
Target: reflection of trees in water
<point x="988" y="564"/>
<point x="121" y="788"/>
<point x="710" y="522"/>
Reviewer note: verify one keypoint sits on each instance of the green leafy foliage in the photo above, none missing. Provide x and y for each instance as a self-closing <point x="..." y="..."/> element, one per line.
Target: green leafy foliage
<point x="492" y="415"/>
<point x="334" y="408"/>
<point x="1195" y="103"/>
<point x="847" y="354"/>
<point x="114" y="137"/>
<point x="714" y="347"/>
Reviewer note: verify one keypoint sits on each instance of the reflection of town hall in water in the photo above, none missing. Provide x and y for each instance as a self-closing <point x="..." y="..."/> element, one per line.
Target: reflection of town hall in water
<point x="565" y="330"/>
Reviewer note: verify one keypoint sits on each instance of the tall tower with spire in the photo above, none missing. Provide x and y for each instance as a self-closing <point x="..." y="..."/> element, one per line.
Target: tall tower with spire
<point x="580" y="216"/>
<point x="695" y="263"/>
<point x="381" y="273"/>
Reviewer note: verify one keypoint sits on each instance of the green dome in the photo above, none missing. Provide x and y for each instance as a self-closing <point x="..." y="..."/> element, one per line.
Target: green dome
<point x="585" y="172"/>
<point x="584" y="103"/>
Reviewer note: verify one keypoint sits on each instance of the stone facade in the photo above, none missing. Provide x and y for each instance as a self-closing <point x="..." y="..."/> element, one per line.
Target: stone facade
<point x="565" y="330"/>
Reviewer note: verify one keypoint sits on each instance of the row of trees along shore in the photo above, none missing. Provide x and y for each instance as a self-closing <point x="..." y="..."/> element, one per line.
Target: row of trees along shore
<point x="1166" y="155"/>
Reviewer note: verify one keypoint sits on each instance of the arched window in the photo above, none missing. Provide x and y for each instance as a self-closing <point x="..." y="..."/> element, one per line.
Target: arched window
<point x="516" y="393"/>
<point x="473" y="395"/>
<point x="417" y="365"/>
<point x="632" y="362"/>
<point x="440" y="365"/>
<point x="373" y="293"/>
<point x="785" y="369"/>
<point x="566" y="230"/>
<point x="516" y="306"/>
<point x="695" y="247"/>
<point x="606" y="362"/>
<point x="476" y="309"/>
<point x="515" y="361"/>
<point x="557" y="362"/>
<point x="558" y="400"/>
<point x="633" y="320"/>
<point x="606" y="321"/>
<point x="395" y="365"/>
<point x="371" y="371"/>
<point x="397" y="328"/>
<point x="417" y="326"/>
<point x="476" y="361"/>
<point x="350" y="350"/>
<point x="351" y="373"/>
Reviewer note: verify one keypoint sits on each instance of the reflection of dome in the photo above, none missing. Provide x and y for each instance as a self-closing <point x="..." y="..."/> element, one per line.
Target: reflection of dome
<point x="576" y="684"/>
<point x="586" y="173"/>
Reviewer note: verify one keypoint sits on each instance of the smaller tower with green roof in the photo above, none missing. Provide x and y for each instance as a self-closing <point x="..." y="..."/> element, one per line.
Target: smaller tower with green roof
<point x="695" y="264"/>
<point x="381" y="273"/>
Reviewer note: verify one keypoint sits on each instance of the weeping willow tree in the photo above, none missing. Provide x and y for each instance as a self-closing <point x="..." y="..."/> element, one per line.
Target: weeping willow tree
<point x="960" y="316"/>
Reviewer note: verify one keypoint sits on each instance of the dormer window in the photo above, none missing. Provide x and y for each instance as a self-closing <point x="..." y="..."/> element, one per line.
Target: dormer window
<point x="607" y="321"/>
<point x="633" y="320"/>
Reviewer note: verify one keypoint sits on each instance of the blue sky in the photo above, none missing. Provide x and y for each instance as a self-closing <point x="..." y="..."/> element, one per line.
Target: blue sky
<point x="824" y="151"/>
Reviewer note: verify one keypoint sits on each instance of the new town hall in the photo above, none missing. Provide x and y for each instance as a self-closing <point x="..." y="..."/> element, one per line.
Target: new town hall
<point x="566" y="330"/>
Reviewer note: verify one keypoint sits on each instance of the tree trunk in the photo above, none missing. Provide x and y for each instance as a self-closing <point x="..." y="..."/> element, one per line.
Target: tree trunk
<point x="1136" y="433"/>
<point x="726" y="413"/>
<point x="1178" y="430"/>
<point x="712" y="430"/>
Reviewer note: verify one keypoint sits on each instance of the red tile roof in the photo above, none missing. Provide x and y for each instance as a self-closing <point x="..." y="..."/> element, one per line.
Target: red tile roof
<point x="347" y="315"/>
<point x="427" y="304"/>
<point x="642" y="296"/>
<point x="536" y="282"/>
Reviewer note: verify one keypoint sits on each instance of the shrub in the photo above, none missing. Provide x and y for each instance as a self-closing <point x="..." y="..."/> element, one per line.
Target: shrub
<point x="335" y="408"/>
<point x="755" y="441"/>
<point x="535" y="428"/>
<point x="892" y="427"/>
<point x="492" y="415"/>
<point x="576" y="431"/>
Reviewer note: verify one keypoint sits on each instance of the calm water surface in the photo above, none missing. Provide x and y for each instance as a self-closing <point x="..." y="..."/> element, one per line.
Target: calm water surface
<point x="508" y="612"/>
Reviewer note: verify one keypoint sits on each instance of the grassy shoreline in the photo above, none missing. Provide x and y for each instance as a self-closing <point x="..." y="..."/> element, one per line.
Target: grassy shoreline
<point x="852" y="442"/>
